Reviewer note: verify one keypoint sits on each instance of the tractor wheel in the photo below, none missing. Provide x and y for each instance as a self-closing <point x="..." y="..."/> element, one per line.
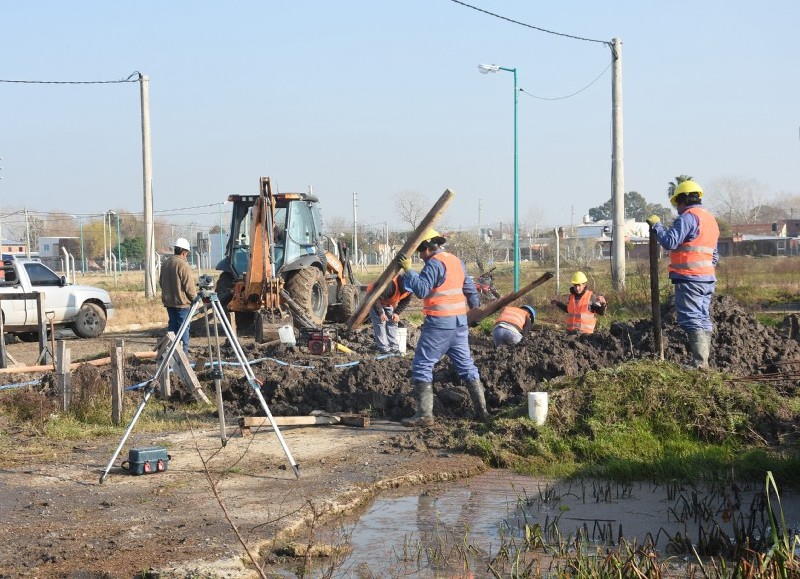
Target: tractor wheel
<point x="348" y="301"/>
<point x="308" y="288"/>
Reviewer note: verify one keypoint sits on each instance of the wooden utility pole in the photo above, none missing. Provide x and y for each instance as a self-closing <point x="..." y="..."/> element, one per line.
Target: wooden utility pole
<point x="617" y="171"/>
<point x="393" y="268"/>
<point x="655" y="301"/>
<point x="147" y="178"/>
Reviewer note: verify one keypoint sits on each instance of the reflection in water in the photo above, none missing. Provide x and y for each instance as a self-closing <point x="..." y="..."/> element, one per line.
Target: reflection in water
<point x="452" y="529"/>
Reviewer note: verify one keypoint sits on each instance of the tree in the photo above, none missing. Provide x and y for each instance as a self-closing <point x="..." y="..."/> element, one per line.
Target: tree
<point x="411" y="207"/>
<point x="133" y="248"/>
<point x="739" y="200"/>
<point x="636" y="207"/>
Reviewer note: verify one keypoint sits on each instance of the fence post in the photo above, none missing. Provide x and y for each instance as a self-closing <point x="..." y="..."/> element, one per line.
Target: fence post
<point x="63" y="376"/>
<point x="117" y="380"/>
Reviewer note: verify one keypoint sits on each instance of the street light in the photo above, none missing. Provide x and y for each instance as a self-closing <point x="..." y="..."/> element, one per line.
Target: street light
<point x="485" y="69"/>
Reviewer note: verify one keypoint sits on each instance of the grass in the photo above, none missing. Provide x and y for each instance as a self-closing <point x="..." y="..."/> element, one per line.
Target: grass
<point x="644" y="420"/>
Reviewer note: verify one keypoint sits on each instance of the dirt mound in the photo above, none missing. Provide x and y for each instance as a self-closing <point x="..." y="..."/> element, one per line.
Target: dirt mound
<point x="296" y="383"/>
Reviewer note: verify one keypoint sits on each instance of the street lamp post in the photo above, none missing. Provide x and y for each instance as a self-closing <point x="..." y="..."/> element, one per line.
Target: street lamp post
<point x="485" y="69"/>
<point x="83" y="258"/>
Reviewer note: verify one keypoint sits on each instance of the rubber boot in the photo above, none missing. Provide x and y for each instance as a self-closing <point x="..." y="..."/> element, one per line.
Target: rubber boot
<point x="478" y="399"/>
<point x="423" y="392"/>
<point x="699" y="346"/>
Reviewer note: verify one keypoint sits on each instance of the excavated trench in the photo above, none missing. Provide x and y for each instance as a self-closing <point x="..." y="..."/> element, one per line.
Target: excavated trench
<point x="297" y="383"/>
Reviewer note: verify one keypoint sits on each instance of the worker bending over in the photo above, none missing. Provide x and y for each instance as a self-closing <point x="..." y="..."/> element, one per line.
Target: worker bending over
<point x="386" y="313"/>
<point x="447" y="292"/>
<point x="582" y="307"/>
<point x="512" y="324"/>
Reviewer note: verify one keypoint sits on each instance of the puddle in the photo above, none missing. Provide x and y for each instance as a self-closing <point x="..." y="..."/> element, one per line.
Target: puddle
<point x="438" y="530"/>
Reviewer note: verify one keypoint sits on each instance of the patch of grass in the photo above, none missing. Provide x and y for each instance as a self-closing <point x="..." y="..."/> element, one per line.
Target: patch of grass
<point x="645" y="419"/>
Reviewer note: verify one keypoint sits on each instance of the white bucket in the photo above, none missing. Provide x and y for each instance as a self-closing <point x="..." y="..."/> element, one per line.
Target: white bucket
<point x="537" y="407"/>
<point x="286" y="335"/>
<point x="402" y="337"/>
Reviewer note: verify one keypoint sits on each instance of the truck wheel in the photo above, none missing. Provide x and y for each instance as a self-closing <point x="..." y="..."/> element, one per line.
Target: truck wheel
<point x="91" y="321"/>
<point x="348" y="301"/>
<point x="308" y="288"/>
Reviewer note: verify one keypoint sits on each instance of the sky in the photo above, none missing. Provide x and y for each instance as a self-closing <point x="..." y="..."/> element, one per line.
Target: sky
<point x="382" y="98"/>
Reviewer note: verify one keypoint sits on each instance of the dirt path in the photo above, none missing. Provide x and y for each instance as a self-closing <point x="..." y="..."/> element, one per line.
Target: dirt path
<point x="59" y="521"/>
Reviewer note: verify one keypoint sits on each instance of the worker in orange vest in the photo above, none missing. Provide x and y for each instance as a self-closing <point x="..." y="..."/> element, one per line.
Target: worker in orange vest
<point x="447" y="293"/>
<point x="512" y="324"/>
<point x="582" y="307"/>
<point x="385" y="314"/>
<point x="692" y="243"/>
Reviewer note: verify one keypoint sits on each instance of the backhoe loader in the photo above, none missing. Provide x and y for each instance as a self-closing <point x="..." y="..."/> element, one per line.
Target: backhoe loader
<point x="278" y="266"/>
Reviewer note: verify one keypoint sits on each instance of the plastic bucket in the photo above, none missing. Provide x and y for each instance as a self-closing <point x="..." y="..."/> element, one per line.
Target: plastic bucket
<point x="402" y="337"/>
<point x="537" y="407"/>
<point x="286" y="335"/>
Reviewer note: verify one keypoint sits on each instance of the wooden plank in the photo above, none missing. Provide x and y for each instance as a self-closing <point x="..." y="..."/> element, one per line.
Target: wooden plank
<point x="477" y="314"/>
<point x="182" y="368"/>
<point x="393" y="268"/>
<point x="248" y="422"/>
<point x="117" y="380"/>
<point x="354" y="420"/>
<point x="63" y="376"/>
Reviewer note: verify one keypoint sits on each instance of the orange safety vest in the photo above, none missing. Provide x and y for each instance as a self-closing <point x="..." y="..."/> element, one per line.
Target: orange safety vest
<point x="579" y="317"/>
<point x="447" y="299"/>
<point x="695" y="258"/>
<point x="397" y="296"/>
<point x="514" y="316"/>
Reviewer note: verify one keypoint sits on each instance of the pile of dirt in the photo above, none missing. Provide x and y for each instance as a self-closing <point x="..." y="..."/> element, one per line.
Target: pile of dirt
<point x="297" y="383"/>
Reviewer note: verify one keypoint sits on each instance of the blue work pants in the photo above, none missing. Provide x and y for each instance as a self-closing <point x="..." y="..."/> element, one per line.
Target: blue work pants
<point x="176" y="319"/>
<point x="435" y="342"/>
<point x="385" y="332"/>
<point x="503" y="335"/>
<point x="693" y="305"/>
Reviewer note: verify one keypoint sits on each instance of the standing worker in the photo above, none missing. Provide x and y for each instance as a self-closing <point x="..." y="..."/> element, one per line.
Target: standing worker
<point x="386" y="313"/>
<point x="692" y="243"/>
<point x="178" y="289"/>
<point x="447" y="292"/>
<point x="582" y="307"/>
<point x="512" y="324"/>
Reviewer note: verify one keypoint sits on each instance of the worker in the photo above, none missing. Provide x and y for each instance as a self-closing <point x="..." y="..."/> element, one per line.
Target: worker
<point x="582" y="307"/>
<point x="512" y="324"/>
<point x="385" y="314"/>
<point x="447" y="292"/>
<point x="692" y="243"/>
<point x="178" y="289"/>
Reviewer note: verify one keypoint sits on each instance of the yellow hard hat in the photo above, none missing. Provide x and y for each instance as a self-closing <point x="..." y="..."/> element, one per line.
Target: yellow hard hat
<point x="687" y="186"/>
<point x="432" y="237"/>
<point x="578" y="277"/>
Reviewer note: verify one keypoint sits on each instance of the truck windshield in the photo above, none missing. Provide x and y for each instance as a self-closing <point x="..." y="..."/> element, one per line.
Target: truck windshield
<point x="42" y="275"/>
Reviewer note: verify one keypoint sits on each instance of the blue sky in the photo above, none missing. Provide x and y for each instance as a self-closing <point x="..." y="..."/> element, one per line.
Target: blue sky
<point x="384" y="97"/>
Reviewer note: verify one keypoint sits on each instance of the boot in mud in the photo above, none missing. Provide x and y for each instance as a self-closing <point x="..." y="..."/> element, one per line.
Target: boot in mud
<point x="423" y="391"/>
<point x="478" y="399"/>
<point x="700" y="347"/>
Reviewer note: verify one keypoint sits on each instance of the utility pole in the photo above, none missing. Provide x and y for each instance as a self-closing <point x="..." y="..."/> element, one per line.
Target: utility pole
<point x="387" y="256"/>
<point x="479" y="218"/>
<point x="2" y="247"/>
<point x="27" y="235"/>
<point x="355" y="226"/>
<point x="147" y="178"/>
<point x="617" y="172"/>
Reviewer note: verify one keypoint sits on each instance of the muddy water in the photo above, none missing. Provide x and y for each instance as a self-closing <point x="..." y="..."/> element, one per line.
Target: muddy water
<point x="441" y="529"/>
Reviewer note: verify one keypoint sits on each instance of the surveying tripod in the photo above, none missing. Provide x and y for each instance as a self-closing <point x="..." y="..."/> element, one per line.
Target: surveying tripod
<point x="209" y="300"/>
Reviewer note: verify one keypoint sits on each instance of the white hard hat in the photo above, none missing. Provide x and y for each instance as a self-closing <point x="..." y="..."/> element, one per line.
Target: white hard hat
<point x="183" y="243"/>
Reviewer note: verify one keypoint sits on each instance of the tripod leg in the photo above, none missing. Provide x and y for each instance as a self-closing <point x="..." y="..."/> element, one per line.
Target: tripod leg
<point x="237" y="348"/>
<point x="153" y="381"/>
<point x="216" y="371"/>
<point x="148" y="392"/>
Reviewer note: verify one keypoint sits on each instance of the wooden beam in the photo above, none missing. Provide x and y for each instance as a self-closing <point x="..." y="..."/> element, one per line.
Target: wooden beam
<point x="393" y="268"/>
<point x="475" y="315"/>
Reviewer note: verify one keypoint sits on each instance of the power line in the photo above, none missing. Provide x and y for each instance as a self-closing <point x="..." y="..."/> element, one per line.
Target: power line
<point x="530" y="25"/>
<point x="522" y="90"/>
<point x="134" y="77"/>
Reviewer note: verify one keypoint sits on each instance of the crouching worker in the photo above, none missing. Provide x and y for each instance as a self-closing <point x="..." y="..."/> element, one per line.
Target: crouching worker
<point x="386" y="313"/>
<point x="512" y="324"/>
<point x="447" y="292"/>
<point x="582" y="307"/>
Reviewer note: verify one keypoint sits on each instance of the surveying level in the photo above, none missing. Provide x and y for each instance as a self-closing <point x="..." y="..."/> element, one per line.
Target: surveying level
<point x="210" y="302"/>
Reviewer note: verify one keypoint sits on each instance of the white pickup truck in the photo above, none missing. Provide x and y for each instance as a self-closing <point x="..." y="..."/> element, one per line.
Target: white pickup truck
<point x="83" y="309"/>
